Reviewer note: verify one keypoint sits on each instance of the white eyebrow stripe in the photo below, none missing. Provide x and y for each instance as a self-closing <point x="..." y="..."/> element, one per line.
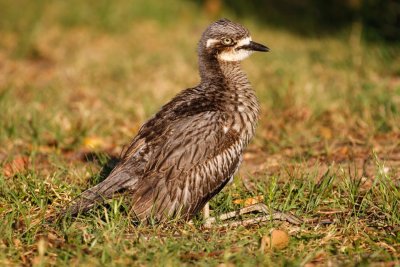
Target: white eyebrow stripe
<point x="244" y="41"/>
<point x="211" y="42"/>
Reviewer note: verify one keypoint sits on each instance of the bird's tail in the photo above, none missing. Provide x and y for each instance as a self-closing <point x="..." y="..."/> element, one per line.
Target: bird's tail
<point x="114" y="183"/>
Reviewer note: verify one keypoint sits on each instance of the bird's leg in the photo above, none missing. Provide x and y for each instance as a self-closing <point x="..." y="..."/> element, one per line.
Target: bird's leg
<point x="206" y="214"/>
<point x="260" y="207"/>
<point x="206" y="211"/>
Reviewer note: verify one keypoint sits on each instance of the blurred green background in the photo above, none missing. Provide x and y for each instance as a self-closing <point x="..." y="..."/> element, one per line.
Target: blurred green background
<point x="335" y="62"/>
<point x="380" y="19"/>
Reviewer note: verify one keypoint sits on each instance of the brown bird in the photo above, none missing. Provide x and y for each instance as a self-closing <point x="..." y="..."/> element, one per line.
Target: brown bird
<point x="187" y="152"/>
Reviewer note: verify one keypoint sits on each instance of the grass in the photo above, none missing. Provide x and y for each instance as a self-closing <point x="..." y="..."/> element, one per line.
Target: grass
<point x="77" y="81"/>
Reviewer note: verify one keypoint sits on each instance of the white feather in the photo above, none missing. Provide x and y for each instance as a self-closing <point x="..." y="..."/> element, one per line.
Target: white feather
<point x="210" y="42"/>
<point x="244" y="41"/>
<point x="236" y="55"/>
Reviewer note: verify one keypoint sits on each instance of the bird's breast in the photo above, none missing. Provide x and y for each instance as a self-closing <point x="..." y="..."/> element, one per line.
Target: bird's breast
<point x="243" y="113"/>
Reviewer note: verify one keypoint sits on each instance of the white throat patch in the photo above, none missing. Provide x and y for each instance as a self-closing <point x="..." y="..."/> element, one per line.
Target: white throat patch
<point x="236" y="55"/>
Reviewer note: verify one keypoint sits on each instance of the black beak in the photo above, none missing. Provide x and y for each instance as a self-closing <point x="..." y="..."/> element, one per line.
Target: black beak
<point x="253" y="46"/>
<point x="258" y="47"/>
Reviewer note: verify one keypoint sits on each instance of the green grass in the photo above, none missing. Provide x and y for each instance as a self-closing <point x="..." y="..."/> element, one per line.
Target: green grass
<point x="78" y="80"/>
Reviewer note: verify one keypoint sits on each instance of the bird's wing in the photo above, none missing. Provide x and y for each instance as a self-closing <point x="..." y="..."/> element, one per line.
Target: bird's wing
<point x="176" y="166"/>
<point x="190" y="162"/>
<point x="118" y="180"/>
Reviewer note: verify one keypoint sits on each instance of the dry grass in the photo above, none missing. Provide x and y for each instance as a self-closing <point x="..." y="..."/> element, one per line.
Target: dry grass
<point x="75" y="85"/>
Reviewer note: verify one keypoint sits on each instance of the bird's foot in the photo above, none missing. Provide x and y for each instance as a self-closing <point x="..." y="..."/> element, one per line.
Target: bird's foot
<point x="259" y="207"/>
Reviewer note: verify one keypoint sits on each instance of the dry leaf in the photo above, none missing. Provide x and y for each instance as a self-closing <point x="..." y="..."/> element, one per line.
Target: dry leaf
<point x="93" y="142"/>
<point x="344" y="150"/>
<point x="18" y="164"/>
<point x="277" y="239"/>
<point x="226" y="265"/>
<point x="326" y="133"/>
<point x="17" y="243"/>
<point x="317" y="260"/>
<point x="54" y="240"/>
<point x="249" y="201"/>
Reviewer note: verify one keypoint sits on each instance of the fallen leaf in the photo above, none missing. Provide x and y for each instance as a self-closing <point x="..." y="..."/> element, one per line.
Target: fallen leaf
<point x="249" y="201"/>
<point x="17" y="243"/>
<point x="93" y="142"/>
<point x="326" y="133"/>
<point x="277" y="239"/>
<point x="17" y="165"/>
<point x="317" y="260"/>
<point x="54" y="240"/>
<point x="344" y="151"/>
<point x="226" y="265"/>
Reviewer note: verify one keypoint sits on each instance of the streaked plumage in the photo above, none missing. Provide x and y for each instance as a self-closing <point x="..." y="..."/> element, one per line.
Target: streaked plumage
<point x="189" y="150"/>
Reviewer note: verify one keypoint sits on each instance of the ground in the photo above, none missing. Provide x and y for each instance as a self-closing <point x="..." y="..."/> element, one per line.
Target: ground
<point x="76" y="84"/>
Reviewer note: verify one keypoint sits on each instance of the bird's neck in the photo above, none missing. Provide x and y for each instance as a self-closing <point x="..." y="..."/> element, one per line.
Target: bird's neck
<point x="228" y="73"/>
<point x="233" y="75"/>
<point x="231" y="86"/>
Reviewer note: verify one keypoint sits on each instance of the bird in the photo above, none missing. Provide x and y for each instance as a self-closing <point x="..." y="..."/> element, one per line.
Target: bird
<point x="193" y="146"/>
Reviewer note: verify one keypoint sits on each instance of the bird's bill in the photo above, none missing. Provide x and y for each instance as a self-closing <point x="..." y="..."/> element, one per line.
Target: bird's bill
<point x="257" y="47"/>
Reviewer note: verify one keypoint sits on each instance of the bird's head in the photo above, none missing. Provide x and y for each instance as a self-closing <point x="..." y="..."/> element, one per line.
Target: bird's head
<point x="228" y="41"/>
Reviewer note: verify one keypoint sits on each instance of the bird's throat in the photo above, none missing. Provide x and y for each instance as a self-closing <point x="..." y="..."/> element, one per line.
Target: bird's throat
<point x="229" y="73"/>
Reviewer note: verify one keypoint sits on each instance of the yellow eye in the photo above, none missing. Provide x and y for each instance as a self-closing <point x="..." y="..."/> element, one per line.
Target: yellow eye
<point x="227" y="41"/>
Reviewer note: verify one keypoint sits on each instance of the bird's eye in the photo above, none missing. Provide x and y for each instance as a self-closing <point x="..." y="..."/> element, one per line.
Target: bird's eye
<point x="227" y="41"/>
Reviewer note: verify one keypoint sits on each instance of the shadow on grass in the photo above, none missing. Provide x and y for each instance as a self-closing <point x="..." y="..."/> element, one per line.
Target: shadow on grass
<point x="107" y="162"/>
